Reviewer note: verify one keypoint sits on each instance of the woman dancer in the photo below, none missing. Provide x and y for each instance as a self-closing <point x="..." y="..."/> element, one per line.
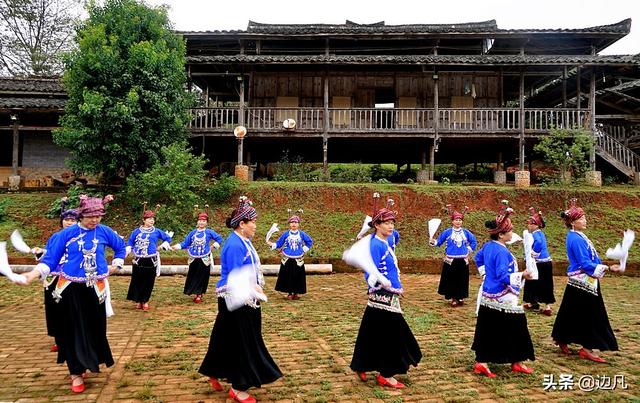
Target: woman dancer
<point x="385" y="342"/>
<point x="293" y="244"/>
<point x="539" y="291"/>
<point x="237" y="352"/>
<point x="582" y="317"/>
<point x="501" y="335"/>
<point x="454" y="279"/>
<point x="82" y="289"/>
<point x="146" y="259"/>
<point x="200" y="257"/>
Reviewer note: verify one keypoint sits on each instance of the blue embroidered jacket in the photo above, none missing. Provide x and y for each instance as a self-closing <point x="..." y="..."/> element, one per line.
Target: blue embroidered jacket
<point x="499" y="264"/>
<point x="459" y="242"/>
<point x="54" y="271"/>
<point x="77" y="242"/>
<point x="236" y="253"/>
<point x="540" y="247"/>
<point x="143" y="241"/>
<point x="581" y="254"/>
<point x="394" y="239"/>
<point x="291" y="243"/>
<point x="197" y="242"/>
<point x="385" y="260"/>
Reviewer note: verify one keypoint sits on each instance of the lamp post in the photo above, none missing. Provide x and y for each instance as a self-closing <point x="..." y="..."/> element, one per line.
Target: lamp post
<point x="241" y="171"/>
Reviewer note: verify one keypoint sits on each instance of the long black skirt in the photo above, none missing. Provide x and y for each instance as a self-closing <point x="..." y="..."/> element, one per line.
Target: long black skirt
<point x="502" y="337"/>
<point x="454" y="280"/>
<point x="385" y="344"/>
<point x="292" y="278"/>
<point x="51" y="309"/>
<point x="237" y="352"/>
<point x="82" y="334"/>
<point x="143" y="278"/>
<point x="540" y="291"/>
<point x="582" y="319"/>
<point x="197" y="278"/>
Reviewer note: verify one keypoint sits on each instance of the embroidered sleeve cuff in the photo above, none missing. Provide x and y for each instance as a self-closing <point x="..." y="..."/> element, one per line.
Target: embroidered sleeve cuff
<point x="599" y="271"/>
<point x="177" y="246"/>
<point x="43" y="269"/>
<point x="481" y="270"/>
<point x="165" y="245"/>
<point x="117" y="262"/>
<point x="535" y="254"/>
<point x="515" y="279"/>
<point x="305" y="249"/>
<point x="127" y="250"/>
<point x="216" y="245"/>
<point x="273" y="246"/>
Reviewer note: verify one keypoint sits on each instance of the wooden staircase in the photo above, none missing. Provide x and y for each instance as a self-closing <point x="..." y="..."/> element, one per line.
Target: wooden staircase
<point x="617" y="154"/>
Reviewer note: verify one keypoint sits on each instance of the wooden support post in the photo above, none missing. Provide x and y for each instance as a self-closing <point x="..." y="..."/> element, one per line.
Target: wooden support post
<point x="578" y="93"/>
<point x="564" y="86"/>
<point x="436" y="125"/>
<point x="16" y="145"/>
<point x="521" y="142"/>
<point x="592" y="115"/>
<point x="325" y="134"/>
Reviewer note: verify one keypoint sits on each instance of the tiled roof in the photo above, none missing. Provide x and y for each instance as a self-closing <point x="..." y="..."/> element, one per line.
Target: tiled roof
<point x="32" y="93"/>
<point x="351" y="28"/>
<point x="43" y="85"/>
<point x="420" y="59"/>
<point x="32" y="103"/>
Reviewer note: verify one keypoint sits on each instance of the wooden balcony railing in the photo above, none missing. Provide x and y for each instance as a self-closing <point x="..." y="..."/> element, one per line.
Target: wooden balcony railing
<point x="377" y="120"/>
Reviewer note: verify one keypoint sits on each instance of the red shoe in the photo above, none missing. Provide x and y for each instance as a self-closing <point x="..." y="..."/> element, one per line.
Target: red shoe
<point x="54" y="348"/>
<point x="589" y="356"/>
<point x="481" y="369"/>
<point x="77" y="388"/>
<point x="454" y="303"/>
<point x="362" y="376"/>
<point x="235" y="397"/>
<point x="198" y="299"/>
<point x="546" y="312"/>
<point x="290" y="296"/>
<point x="215" y="384"/>
<point x="564" y="348"/>
<point x="382" y="381"/>
<point x="295" y="296"/>
<point x="517" y="367"/>
<point x="460" y="302"/>
<point x="145" y="306"/>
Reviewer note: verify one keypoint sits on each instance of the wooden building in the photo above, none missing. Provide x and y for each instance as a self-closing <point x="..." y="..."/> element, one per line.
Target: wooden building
<point x="29" y="111"/>
<point x="419" y="93"/>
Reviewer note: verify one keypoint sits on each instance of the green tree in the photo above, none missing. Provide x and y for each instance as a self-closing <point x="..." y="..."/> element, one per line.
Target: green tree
<point x="567" y="149"/>
<point x="127" y="90"/>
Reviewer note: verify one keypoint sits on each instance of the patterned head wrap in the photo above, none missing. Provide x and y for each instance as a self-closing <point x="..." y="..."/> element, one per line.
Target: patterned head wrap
<point x="67" y="213"/>
<point x="93" y="206"/>
<point x="383" y="214"/>
<point x="503" y="222"/>
<point x="244" y="211"/>
<point x="456" y="214"/>
<point x="535" y="218"/>
<point x="294" y="217"/>
<point x="572" y="213"/>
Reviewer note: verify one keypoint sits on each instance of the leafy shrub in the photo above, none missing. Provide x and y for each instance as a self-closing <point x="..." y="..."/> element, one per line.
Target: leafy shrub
<point x="356" y="173"/>
<point x="379" y="172"/>
<point x="567" y="150"/>
<point x="177" y="184"/>
<point x="294" y="169"/>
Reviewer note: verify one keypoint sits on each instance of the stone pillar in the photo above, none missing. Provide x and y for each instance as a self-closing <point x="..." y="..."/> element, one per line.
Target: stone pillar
<point x="523" y="179"/>
<point x="14" y="182"/>
<point x="242" y="172"/>
<point x="636" y="178"/>
<point x="422" y="176"/>
<point x="594" y="178"/>
<point x="500" y="177"/>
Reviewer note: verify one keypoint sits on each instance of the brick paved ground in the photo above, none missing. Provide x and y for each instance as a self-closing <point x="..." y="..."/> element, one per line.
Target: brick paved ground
<point x="158" y="352"/>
